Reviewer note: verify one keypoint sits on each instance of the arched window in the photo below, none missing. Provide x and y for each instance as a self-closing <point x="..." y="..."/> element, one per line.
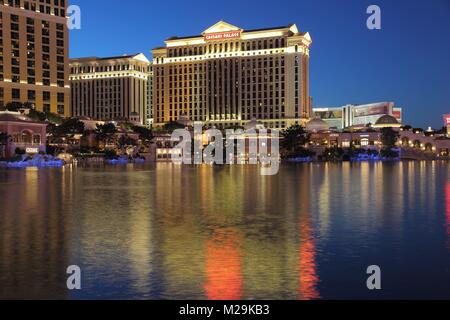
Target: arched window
<point x="26" y="136"/>
<point x="36" y="139"/>
<point x="405" y="142"/>
<point x="417" y="144"/>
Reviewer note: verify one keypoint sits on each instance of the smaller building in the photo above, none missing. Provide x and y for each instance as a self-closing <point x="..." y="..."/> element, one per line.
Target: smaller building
<point x="417" y="143"/>
<point x="164" y="147"/>
<point x="413" y="144"/>
<point x="317" y="125"/>
<point x="387" y="121"/>
<point x="24" y="133"/>
<point x="358" y="115"/>
<point x="112" y="88"/>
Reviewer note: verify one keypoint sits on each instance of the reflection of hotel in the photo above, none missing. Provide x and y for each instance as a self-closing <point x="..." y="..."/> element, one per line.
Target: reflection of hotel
<point x="33" y="54"/>
<point x="228" y="76"/>
<point x="357" y="115"/>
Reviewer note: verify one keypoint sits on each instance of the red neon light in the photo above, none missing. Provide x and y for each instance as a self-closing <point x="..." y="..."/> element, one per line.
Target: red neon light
<point x="223" y="35"/>
<point x="447" y="119"/>
<point x="397" y="114"/>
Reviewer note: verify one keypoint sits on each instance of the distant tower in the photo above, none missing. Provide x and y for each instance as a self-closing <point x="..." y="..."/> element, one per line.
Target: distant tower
<point x="447" y="123"/>
<point x="134" y="117"/>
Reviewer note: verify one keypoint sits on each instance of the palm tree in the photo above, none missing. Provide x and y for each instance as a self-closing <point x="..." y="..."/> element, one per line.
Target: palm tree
<point x="124" y="142"/>
<point x="333" y="154"/>
<point x="389" y="138"/>
<point x="294" y="140"/>
<point x="105" y="132"/>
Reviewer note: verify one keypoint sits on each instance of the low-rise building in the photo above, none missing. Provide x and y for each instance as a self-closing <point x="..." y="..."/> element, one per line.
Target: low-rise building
<point x="413" y="144"/>
<point x="23" y="133"/>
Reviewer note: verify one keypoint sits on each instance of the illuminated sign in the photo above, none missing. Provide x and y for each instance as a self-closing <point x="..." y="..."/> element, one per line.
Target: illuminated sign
<point x="397" y="115"/>
<point x="223" y="35"/>
<point x="370" y="111"/>
<point x="447" y="119"/>
<point x="32" y="150"/>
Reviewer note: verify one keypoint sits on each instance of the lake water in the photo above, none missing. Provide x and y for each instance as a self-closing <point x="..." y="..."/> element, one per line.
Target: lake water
<point x="179" y="232"/>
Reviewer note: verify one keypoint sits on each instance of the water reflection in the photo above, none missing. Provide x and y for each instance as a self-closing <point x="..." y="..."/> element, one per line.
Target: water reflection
<point x="177" y="232"/>
<point x="33" y="235"/>
<point x="447" y="212"/>
<point x="308" y="276"/>
<point x="224" y="279"/>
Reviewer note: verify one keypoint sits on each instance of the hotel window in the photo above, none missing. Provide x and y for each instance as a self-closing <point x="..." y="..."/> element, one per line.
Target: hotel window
<point x="31" y="95"/>
<point x="16" y="94"/>
<point x="46" y="96"/>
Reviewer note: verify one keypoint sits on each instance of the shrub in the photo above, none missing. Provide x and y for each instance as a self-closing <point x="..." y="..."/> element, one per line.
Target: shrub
<point x="110" y="154"/>
<point x="20" y="151"/>
<point x="389" y="153"/>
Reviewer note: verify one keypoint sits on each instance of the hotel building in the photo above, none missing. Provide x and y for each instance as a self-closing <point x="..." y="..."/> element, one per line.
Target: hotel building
<point x="358" y="115"/>
<point x="111" y="88"/>
<point x="228" y="76"/>
<point x="34" y="54"/>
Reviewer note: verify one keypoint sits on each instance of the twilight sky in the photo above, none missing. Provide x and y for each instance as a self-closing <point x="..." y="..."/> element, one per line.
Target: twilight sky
<point x="408" y="61"/>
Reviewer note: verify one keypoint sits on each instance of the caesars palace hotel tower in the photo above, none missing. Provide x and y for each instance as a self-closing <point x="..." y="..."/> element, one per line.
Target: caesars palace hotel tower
<point x="228" y="76"/>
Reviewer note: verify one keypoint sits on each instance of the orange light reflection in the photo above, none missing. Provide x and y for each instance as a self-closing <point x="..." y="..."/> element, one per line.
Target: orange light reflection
<point x="224" y="265"/>
<point x="308" y="278"/>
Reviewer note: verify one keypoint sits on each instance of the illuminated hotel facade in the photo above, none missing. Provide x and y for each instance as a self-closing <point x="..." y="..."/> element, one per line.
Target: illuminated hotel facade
<point x="358" y="115"/>
<point x="228" y="76"/>
<point x="111" y="88"/>
<point x="34" y="54"/>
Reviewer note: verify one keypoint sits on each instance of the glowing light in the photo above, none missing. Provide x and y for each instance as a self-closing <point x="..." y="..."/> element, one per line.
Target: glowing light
<point x="224" y="266"/>
<point x="308" y="278"/>
<point x="223" y="35"/>
<point x="447" y="211"/>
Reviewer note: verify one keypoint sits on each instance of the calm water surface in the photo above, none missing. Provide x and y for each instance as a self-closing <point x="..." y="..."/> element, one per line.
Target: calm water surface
<point x="171" y="232"/>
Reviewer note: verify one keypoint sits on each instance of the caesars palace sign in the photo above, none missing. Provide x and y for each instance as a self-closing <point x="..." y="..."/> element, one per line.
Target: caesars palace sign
<point x="223" y="35"/>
